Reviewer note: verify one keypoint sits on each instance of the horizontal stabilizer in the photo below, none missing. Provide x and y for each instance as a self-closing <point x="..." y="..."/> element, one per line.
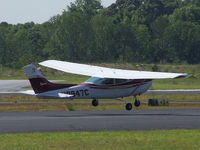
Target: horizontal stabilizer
<point x="27" y="92"/>
<point x="62" y="95"/>
<point x="103" y="72"/>
<point x="53" y="95"/>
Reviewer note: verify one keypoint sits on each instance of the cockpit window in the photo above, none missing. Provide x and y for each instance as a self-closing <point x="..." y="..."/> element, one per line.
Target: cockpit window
<point x="105" y="81"/>
<point x="100" y="81"/>
<point x="119" y="81"/>
<point x="108" y="81"/>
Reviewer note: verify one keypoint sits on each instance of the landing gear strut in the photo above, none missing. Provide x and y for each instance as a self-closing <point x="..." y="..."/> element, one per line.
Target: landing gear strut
<point x="95" y="102"/>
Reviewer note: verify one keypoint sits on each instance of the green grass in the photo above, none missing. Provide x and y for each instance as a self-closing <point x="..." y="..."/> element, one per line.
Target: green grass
<point x="185" y="83"/>
<point x="143" y="98"/>
<point x="84" y="107"/>
<point x="121" y="140"/>
<point x="67" y="105"/>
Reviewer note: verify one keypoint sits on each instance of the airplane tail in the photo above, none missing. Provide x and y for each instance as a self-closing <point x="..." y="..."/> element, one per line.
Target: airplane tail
<point x="38" y="81"/>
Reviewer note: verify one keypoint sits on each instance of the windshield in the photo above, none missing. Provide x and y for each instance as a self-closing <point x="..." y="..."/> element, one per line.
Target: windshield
<point x="94" y="80"/>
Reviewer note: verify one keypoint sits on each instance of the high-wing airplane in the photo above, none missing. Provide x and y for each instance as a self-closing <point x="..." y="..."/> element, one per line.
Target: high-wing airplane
<point x="104" y="83"/>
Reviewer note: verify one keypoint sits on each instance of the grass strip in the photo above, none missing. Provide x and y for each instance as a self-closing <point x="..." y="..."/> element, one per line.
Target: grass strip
<point x="143" y="98"/>
<point x="84" y="107"/>
<point x="184" y="83"/>
<point x="114" y="140"/>
<point x="68" y="105"/>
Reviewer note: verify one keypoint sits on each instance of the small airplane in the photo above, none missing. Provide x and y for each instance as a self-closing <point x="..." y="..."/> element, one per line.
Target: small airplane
<point x="104" y="83"/>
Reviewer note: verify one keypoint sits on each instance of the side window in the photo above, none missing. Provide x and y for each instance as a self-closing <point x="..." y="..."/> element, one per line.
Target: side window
<point x="119" y="81"/>
<point x="108" y="81"/>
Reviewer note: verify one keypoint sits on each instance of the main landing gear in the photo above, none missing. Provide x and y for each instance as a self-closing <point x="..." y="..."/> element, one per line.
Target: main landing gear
<point x="95" y="102"/>
<point x="128" y="106"/>
<point x="136" y="103"/>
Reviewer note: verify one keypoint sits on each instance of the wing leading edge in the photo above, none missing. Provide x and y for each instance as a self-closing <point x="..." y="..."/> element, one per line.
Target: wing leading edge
<point x="103" y="72"/>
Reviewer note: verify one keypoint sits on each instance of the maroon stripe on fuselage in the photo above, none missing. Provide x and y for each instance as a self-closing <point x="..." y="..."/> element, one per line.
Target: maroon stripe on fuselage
<point x="40" y="85"/>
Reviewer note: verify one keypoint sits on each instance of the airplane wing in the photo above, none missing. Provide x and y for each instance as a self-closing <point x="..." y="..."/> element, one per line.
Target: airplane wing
<point x="27" y="92"/>
<point x="103" y="72"/>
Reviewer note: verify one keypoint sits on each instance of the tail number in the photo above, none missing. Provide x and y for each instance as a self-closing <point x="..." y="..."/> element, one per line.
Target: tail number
<point x="78" y="93"/>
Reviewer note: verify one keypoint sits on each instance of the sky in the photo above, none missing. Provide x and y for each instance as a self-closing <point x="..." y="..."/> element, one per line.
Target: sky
<point x="38" y="11"/>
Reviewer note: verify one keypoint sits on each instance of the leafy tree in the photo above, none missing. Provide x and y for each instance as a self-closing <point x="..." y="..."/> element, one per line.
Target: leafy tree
<point x="127" y="31"/>
<point x="142" y="44"/>
<point x="189" y="13"/>
<point x="2" y="51"/>
<point x="171" y="5"/>
<point x="158" y="44"/>
<point x="103" y="43"/>
<point x="183" y="38"/>
<point x="89" y="7"/>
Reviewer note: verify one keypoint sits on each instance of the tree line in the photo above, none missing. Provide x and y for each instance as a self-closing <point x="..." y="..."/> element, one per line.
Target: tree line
<point x="134" y="31"/>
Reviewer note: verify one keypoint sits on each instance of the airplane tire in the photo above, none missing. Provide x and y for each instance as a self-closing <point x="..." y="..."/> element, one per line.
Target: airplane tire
<point x="128" y="106"/>
<point x="137" y="103"/>
<point x="95" y="102"/>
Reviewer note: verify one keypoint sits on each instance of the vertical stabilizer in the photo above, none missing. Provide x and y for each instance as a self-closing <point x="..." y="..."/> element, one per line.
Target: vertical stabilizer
<point x="38" y="81"/>
<point x="32" y="72"/>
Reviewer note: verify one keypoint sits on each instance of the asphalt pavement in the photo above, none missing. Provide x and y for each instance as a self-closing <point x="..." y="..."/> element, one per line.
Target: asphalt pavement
<point x="13" y="85"/>
<point x="29" y="122"/>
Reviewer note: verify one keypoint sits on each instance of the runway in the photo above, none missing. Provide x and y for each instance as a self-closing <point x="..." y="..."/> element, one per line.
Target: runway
<point x="13" y="85"/>
<point x="29" y="122"/>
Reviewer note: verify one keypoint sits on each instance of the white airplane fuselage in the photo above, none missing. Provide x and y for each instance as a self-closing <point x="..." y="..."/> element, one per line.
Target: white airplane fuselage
<point x="91" y="91"/>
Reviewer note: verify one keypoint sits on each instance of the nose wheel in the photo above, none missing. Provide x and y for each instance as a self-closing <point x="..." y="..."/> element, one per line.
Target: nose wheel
<point x="95" y="102"/>
<point x="129" y="106"/>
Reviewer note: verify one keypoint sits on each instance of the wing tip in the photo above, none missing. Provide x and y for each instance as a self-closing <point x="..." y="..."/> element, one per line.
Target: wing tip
<point x="181" y="76"/>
